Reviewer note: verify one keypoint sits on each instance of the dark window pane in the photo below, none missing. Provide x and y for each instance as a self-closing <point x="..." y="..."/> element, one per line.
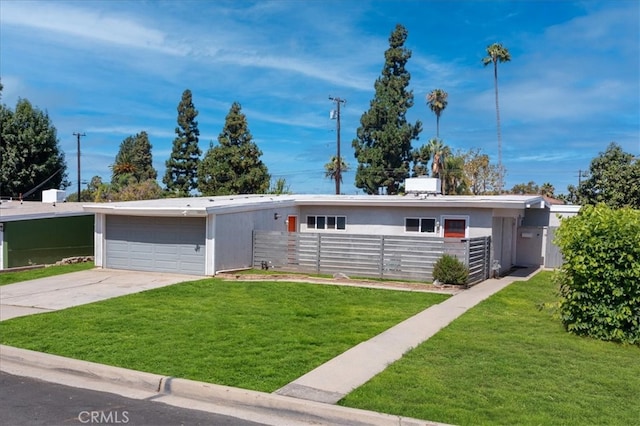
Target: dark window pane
<point x="311" y="222"/>
<point x="411" y="225"/>
<point x="320" y="222"/>
<point x="427" y="225"/>
<point x="331" y="222"/>
<point x="342" y="222"/>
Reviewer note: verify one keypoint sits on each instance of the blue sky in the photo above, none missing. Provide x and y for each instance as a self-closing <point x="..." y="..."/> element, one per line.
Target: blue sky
<point x="111" y="69"/>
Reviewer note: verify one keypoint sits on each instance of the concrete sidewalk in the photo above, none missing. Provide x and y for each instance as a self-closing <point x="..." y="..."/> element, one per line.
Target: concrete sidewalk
<point x="78" y="288"/>
<point x="334" y="379"/>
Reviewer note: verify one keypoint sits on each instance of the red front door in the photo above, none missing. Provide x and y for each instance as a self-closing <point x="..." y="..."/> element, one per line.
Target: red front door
<point x="292" y="223"/>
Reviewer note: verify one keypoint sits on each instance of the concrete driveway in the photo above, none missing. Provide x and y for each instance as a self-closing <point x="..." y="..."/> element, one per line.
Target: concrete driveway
<point x="78" y="288"/>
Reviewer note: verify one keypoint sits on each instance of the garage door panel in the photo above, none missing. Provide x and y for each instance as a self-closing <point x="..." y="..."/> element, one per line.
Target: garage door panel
<point x="156" y="244"/>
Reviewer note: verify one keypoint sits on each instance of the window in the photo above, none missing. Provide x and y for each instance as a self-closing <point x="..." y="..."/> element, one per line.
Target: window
<point x="320" y="221"/>
<point x="327" y="222"/>
<point x="311" y="222"/>
<point x="422" y="224"/>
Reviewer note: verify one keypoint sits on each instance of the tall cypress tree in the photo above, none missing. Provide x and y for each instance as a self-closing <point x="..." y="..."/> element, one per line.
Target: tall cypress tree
<point x="181" y="175"/>
<point x="234" y="165"/>
<point x="383" y="143"/>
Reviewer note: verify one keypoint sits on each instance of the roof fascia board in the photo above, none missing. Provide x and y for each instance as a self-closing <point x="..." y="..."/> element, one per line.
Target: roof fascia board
<point x="35" y="216"/>
<point x="149" y="211"/>
<point x="239" y="208"/>
<point x="481" y="204"/>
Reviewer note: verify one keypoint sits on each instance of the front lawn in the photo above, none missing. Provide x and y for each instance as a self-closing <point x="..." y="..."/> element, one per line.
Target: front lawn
<point x="48" y="271"/>
<point x="254" y="335"/>
<point x="508" y="362"/>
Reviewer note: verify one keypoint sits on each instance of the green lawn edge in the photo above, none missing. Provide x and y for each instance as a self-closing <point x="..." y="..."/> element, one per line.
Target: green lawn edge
<point x="507" y="361"/>
<point x="46" y="271"/>
<point x="253" y="335"/>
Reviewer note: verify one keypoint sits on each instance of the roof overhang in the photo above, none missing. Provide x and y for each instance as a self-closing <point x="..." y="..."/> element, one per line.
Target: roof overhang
<point x="14" y="211"/>
<point x="203" y="206"/>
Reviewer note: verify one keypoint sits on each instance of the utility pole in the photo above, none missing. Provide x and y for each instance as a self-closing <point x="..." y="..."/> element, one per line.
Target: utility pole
<point x="338" y="176"/>
<point x="79" y="135"/>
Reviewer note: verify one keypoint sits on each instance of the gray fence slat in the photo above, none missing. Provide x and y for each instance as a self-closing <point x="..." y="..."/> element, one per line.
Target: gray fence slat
<point x="388" y="256"/>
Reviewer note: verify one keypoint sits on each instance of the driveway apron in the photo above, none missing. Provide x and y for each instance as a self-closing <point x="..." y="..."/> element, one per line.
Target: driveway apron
<point x="78" y="288"/>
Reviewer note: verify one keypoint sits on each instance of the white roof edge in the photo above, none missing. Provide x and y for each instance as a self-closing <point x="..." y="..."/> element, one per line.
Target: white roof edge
<point x="147" y="211"/>
<point x="565" y="208"/>
<point x="42" y="215"/>
<point x="202" y="206"/>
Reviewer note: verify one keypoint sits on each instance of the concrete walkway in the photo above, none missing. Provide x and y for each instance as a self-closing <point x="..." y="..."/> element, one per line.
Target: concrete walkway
<point x="78" y="288"/>
<point x="334" y="379"/>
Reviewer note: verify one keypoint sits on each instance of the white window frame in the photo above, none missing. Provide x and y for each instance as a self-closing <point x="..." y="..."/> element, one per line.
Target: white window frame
<point x="325" y="219"/>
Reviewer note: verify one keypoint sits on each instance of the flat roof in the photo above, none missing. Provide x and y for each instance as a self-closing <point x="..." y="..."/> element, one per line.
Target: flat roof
<point x="202" y="206"/>
<point x="15" y="210"/>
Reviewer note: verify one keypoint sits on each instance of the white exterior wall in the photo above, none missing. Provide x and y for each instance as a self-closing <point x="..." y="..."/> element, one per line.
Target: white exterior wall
<point x="233" y="240"/>
<point x="210" y="245"/>
<point x="558" y="212"/>
<point x="99" y="240"/>
<point x="1" y="245"/>
<point x="391" y="221"/>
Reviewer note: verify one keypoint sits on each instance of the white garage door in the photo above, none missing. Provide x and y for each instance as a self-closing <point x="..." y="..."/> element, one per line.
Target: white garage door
<point x="160" y="244"/>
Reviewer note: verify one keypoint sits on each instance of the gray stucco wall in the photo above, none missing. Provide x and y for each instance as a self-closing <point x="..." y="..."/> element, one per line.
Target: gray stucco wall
<point x="234" y="235"/>
<point x="530" y="245"/>
<point x="536" y="217"/>
<point x="386" y="221"/>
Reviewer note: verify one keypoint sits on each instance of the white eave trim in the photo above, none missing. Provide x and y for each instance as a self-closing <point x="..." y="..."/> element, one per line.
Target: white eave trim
<point x="149" y="211"/>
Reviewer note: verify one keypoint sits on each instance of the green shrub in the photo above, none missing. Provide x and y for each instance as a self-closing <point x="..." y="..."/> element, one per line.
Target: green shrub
<point x="449" y="270"/>
<point x="600" y="276"/>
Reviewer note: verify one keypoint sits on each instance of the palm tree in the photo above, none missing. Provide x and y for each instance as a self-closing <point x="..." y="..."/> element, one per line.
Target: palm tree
<point x="497" y="53"/>
<point x="123" y="169"/>
<point x="438" y="151"/>
<point x="331" y="170"/>
<point x="454" y="179"/>
<point x="437" y="101"/>
<point x="547" y="189"/>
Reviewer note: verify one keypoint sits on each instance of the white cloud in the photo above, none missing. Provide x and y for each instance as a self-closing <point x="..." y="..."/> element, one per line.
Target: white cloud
<point x="82" y="23"/>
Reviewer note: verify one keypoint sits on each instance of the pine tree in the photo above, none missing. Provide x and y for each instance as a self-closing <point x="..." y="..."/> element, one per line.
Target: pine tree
<point x="30" y="157"/>
<point x="134" y="162"/>
<point x="181" y="175"/>
<point x="383" y="143"/>
<point x="234" y="165"/>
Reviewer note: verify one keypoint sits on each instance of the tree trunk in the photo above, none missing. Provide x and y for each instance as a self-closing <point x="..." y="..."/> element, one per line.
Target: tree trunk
<point x="495" y="79"/>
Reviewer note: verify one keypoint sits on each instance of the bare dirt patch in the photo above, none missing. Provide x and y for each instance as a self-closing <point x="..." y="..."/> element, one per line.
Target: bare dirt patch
<point x="342" y="280"/>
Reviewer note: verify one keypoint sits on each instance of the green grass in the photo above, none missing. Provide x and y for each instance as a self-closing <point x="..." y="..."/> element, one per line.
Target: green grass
<point x="49" y="271"/>
<point x="254" y="335"/>
<point x="508" y="362"/>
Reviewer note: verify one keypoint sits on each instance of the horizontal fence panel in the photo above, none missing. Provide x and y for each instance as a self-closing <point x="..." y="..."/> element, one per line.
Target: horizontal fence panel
<point x="388" y="256"/>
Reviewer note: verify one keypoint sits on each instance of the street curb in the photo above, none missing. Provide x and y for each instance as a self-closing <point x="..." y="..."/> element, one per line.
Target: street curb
<point x="147" y="382"/>
<point x="253" y="402"/>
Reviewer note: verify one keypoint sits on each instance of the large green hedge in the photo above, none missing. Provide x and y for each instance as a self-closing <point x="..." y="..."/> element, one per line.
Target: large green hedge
<point x="600" y="276"/>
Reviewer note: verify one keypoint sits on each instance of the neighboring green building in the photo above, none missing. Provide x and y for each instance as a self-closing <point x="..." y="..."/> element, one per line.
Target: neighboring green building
<point x="34" y="233"/>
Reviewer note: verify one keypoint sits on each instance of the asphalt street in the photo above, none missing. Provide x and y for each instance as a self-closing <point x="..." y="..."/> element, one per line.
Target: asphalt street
<point x="32" y="402"/>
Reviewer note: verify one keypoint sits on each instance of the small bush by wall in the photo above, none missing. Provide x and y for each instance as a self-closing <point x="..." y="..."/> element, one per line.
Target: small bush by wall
<point x="600" y="277"/>
<point x="449" y="270"/>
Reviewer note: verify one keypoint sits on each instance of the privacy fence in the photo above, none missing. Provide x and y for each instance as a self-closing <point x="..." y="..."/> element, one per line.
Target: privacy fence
<point x="377" y="256"/>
